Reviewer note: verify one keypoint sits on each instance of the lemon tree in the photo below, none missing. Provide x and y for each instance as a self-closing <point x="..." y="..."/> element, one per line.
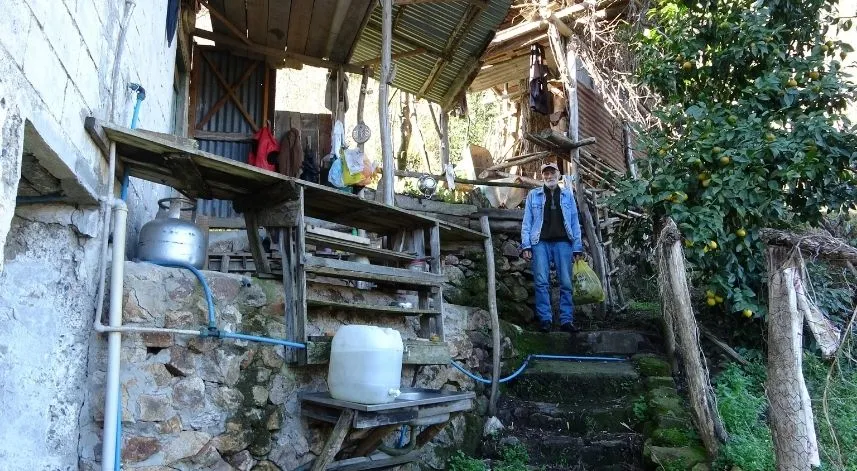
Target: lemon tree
<point x="751" y="133"/>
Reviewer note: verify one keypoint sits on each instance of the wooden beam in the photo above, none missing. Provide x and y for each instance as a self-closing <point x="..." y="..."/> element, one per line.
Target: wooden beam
<point x="406" y="174"/>
<point x="452" y="44"/>
<point x="273" y="53"/>
<point x="334" y="441"/>
<point x="399" y="55"/>
<point x="184" y="168"/>
<point x="479" y="3"/>
<point x="231" y="27"/>
<point x="467" y="74"/>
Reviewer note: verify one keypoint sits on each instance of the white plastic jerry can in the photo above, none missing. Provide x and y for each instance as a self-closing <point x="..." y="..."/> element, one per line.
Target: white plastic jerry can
<point x="365" y="364"/>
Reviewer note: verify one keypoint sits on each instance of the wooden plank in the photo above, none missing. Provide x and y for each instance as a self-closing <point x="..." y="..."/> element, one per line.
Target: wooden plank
<point x="334" y="441"/>
<point x="338" y="235"/>
<point x="320" y="27"/>
<point x="479" y="3"/>
<point x="370" y="308"/>
<point x="282" y="215"/>
<point x="299" y="24"/>
<point x="349" y="32"/>
<point x="222" y="136"/>
<point x="276" y="56"/>
<point x="278" y="23"/>
<point x="255" y="242"/>
<point x="426" y="352"/>
<point x="299" y="274"/>
<point x="364" y="463"/>
<point x="218" y="18"/>
<point x="358" y="249"/>
<point x="396" y="56"/>
<point x="257" y="20"/>
<point x="95" y="131"/>
<point x="417" y="352"/>
<point x="363" y="271"/>
<point x="437" y="268"/>
<point x="265" y="197"/>
<point x="184" y="168"/>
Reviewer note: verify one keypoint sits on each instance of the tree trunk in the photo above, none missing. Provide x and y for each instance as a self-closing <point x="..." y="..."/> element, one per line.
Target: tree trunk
<point x="678" y="315"/>
<point x="791" y="417"/>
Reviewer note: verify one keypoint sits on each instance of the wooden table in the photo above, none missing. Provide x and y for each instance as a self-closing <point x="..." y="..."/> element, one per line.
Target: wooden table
<point x="433" y="409"/>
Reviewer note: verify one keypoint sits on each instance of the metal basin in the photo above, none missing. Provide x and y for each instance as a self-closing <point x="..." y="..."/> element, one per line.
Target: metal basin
<point x="417" y="395"/>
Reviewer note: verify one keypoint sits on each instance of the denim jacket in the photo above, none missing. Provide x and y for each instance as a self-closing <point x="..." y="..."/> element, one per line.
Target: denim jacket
<point x="534" y="214"/>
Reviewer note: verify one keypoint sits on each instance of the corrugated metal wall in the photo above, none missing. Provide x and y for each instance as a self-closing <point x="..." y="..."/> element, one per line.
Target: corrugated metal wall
<point x="228" y="119"/>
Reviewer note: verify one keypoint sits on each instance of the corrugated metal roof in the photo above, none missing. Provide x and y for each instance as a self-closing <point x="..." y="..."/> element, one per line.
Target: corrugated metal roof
<point x="328" y="29"/>
<point x="430" y="26"/>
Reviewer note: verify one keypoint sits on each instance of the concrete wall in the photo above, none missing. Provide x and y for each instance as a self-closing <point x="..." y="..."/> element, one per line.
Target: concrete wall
<point x="56" y="63"/>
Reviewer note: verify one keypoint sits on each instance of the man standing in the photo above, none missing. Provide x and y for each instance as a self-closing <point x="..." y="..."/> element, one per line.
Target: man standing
<point x="550" y="233"/>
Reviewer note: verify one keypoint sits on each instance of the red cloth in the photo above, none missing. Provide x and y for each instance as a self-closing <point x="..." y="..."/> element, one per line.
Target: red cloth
<point x="265" y="146"/>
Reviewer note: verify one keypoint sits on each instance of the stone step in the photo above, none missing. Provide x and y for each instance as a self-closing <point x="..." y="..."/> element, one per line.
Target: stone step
<point x="583" y="418"/>
<point x="601" y="342"/>
<point x="565" y="382"/>
<point x="604" y="452"/>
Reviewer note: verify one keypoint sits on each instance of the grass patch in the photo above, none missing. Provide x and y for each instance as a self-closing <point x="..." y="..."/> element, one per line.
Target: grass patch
<point x="513" y="458"/>
<point x="743" y="407"/>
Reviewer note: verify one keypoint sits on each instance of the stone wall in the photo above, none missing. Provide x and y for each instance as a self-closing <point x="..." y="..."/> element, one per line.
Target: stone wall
<point x="191" y="403"/>
<point x="56" y="65"/>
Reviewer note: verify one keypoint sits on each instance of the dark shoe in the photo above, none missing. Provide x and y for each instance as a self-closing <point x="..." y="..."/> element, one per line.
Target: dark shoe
<point x="545" y="326"/>
<point x="569" y="327"/>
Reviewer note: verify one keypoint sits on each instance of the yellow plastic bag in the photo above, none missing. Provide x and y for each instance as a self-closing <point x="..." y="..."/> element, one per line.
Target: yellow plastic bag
<point x="587" y="286"/>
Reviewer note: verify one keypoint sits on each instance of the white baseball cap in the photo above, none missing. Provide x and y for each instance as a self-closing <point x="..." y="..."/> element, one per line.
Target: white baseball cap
<point x="550" y="165"/>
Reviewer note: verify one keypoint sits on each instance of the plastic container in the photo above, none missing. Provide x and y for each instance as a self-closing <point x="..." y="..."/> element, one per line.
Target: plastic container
<point x="365" y="364"/>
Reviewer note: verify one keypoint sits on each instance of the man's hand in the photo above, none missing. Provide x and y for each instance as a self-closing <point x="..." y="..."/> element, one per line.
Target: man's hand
<point x="527" y="254"/>
<point x="578" y="256"/>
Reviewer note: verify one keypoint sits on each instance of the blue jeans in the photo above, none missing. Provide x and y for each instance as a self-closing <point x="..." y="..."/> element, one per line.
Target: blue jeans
<point x="561" y="255"/>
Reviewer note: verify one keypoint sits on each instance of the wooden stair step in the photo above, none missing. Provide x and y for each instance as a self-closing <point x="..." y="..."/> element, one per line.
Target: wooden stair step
<point x="357" y="248"/>
<point x="378" y="308"/>
<point x="364" y="271"/>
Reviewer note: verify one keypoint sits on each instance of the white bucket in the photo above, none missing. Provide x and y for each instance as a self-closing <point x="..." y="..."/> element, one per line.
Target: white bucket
<point x="365" y="364"/>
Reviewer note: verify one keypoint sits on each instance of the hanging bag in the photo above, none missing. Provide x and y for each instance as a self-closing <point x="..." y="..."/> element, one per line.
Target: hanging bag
<point x="540" y="99"/>
<point x="587" y="286"/>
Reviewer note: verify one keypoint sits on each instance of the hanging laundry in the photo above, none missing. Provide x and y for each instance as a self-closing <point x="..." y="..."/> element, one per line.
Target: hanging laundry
<point x="540" y="99"/>
<point x="265" y="149"/>
<point x="291" y="154"/>
<point x="173" y="7"/>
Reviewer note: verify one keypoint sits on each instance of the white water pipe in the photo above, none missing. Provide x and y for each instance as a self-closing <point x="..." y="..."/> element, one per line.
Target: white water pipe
<point x="114" y="338"/>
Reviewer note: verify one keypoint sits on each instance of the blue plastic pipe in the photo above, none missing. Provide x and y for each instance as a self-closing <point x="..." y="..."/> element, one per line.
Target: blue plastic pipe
<point x="257" y="338"/>
<point x="141" y="95"/>
<point x="212" y="322"/>
<point x="135" y="118"/>
<point x="526" y="363"/>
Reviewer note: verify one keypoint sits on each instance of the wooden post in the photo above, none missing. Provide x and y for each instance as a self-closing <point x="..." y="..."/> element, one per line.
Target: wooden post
<point x="678" y="315"/>
<point x="495" y="321"/>
<point x="383" y="98"/>
<point x="361" y="102"/>
<point x="629" y="150"/>
<point x="444" y="140"/>
<point x="334" y="441"/>
<point x="791" y="417"/>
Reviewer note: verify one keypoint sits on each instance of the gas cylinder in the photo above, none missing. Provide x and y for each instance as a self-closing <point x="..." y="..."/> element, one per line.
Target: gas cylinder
<point x="168" y="238"/>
